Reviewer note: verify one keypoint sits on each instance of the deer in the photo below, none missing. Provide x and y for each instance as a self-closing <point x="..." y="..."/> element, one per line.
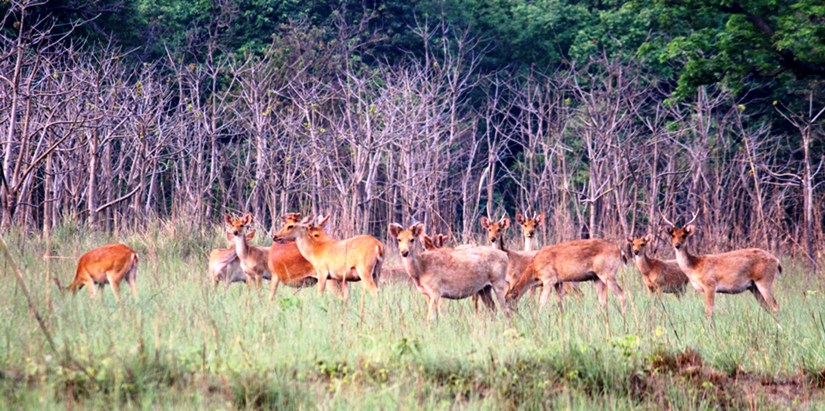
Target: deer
<point x="253" y="259"/>
<point x="529" y="228"/>
<point x="109" y="264"/>
<point x="224" y="264"/>
<point x="436" y="242"/>
<point x="451" y="273"/>
<point x="594" y="260"/>
<point x="518" y="260"/>
<point x="659" y="276"/>
<point x="733" y="272"/>
<point x="286" y="263"/>
<point x="355" y="259"/>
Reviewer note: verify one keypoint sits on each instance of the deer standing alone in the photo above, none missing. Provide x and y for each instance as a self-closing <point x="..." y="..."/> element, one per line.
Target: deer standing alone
<point x="451" y="273"/>
<point x="109" y="264"/>
<point x="733" y="272"/>
<point x="594" y="260"/>
<point x="354" y="259"/>
<point x="659" y="276"/>
<point x="252" y="258"/>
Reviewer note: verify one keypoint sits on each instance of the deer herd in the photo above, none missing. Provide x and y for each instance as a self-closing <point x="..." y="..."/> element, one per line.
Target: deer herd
<point x="303" y="254"/>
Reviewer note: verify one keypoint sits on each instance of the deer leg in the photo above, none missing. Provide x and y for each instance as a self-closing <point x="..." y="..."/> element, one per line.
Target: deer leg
<point x="767" y="296"/>
<point x="92" y="288"/>
<point x="501" y="291"/>
<point x="545" y="295"/>
<point x="274" y="286"/>
<point x="486" y="295"/>
<point x="366" y="275"/>
<point x="322" y="282"/>
<point x="601" y="291"/>
<point x="433" y="310"/>
<point x="475" y="303"/>
<point x="710" y="294"/>
<point x="560" y="295"/>
<point x="617" y="291"/>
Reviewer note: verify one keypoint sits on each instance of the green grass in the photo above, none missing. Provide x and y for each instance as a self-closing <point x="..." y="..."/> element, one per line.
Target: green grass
<point x="183" y="344"/>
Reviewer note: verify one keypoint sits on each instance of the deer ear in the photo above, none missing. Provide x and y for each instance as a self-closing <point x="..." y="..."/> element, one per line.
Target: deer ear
<point x="668" y="230"/>
<point x="485" y="222"/>
<point x="519" y="217"/>
<point x="629" y="240"/>
<point x="649" y="238"/>
<point x="250" y="235"/>
<point x="227" y="219"/>
<point x="247" y="219"/>
<point x="540" y="219"/>
<point x="428" y="242"/>
<point x="690" y="230"/>
<point x="442" y="239"/>
<point x="505" y="222"/>
<point x="417" y="229"/>
<point x="395" y="229"/>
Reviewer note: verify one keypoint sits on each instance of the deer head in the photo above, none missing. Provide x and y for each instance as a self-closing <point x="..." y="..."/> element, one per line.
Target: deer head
<point x="495" y="230"/>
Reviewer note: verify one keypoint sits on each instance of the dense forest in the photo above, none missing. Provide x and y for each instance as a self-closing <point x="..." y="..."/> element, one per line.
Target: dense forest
<point x="602" y="114"/>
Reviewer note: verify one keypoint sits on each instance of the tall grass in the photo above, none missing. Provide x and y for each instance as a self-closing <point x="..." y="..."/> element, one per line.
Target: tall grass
<point x="183" y="344"/>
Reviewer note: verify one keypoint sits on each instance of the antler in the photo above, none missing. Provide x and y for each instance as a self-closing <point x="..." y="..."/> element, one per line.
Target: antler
<point x="696" y="214"/>
<point x="667" y="221"/>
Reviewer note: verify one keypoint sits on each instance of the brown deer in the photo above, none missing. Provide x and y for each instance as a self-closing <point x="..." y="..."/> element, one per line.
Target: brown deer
<point x="109" y="264"/>
<point x="594" y="260"/>
<point x="286" y="263"/>
<point x="436" y="242"/>
<point x="518" y="261"/>
<point x="659" y="276"/>
<point x="750" y="269"/>
<point x="354" y="259"/>
<point x="451" y="273"/>
<point x="252" y="258"/>
<point x="529" y="229"/>
<point x="224" y="264"/>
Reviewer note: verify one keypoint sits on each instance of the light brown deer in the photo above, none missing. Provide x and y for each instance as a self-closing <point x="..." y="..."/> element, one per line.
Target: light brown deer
<point x="252" y="258"/>
<point x="354" y="259"/>
<point x="436" y="242"/>
<point x="224" y="264"/>
<point x="751" y="269"/>
<point x="659" y="276"/>
<point x="529" y="229"/>
<point x="109" y="264"/>
<point x="451" y="273"/>
<point x="518" y="261"/>
<point x="286" y="263"/>
<point x="594" y="260"/>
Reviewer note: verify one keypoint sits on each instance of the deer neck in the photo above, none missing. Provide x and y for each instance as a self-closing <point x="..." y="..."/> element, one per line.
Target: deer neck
<point x="529" y="243"/>
<point x="307" y="246"/>
<point x="412" y="264"/>
<point x="241" y="247"/>
<point x="642" y="262"/>
<point x="685" y="260"/>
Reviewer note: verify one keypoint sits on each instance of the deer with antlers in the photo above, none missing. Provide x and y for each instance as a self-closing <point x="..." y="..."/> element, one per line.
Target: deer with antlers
<point x="355" y="259"/>
<point x="252" y="258"/>
<point x="733" y="272"/>
<point x="451" y="273"/>
<point x="659" y="276"/>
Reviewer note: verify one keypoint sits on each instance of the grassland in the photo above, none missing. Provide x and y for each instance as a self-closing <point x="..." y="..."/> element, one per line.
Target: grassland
<point x="182" y="344"/>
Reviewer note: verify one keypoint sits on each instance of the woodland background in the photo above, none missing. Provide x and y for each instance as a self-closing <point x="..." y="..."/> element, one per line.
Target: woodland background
<point x="602" y="114"/>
